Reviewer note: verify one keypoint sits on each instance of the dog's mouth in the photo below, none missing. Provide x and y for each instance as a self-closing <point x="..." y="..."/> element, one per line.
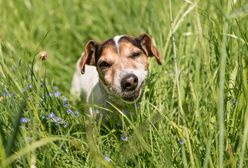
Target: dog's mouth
<point x="131" y="96"/>
<point x="128" y="96"/>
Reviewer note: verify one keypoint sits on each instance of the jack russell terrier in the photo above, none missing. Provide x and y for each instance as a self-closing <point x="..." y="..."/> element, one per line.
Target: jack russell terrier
<point x="113" y="73"/>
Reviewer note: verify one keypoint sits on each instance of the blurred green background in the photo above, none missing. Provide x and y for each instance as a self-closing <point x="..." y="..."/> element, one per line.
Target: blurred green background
<point x="193" y="111"/>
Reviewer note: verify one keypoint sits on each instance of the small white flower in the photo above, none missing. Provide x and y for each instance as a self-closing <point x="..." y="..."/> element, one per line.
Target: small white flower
<point x="107" y="158"/>
<point x="124" y="137"/>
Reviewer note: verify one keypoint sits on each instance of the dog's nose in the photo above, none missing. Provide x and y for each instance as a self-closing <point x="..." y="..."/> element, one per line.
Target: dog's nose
<point x="129" y="82"/>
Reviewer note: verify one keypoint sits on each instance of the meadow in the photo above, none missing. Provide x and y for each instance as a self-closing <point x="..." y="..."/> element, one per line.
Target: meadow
<point x="193" y="110"/>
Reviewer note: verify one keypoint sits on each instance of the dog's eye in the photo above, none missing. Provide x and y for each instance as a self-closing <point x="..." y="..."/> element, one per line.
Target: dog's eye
<point x="104" y="65"/>
<point x="135" y="54"/>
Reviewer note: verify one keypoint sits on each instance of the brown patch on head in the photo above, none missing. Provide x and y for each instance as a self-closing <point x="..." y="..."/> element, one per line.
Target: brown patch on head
<point x="106" y="63"/>
<point x="145" y="41"/>
<point x="89" y="55"/>
<point x="133" y="52"/>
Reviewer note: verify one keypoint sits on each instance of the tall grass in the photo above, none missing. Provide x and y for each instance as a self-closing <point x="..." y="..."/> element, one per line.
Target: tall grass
<point x="193" y="111"/>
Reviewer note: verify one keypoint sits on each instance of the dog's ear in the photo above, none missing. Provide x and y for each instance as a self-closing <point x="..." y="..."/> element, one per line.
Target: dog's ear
<point x="89" y="55"/>
<point x="147" y="45"/>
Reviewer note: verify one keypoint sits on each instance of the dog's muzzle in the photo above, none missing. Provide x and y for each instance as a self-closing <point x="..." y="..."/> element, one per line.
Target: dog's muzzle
<point x="129" y="84"/>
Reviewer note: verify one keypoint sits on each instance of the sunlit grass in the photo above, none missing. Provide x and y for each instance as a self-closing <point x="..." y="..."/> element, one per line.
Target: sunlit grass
<point x="193" y="111"/>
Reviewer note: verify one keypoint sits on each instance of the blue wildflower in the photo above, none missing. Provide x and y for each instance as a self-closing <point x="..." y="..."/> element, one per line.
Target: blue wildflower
<point x="24" y="90"/>
<point x="55" y="88"/>
<point x="66" y="105"/>
<point x="64" y="124"/>
<point x="76" y="113"/>
<point x="65" y="99"/>
<point x="6" y="94"/>
<point x="124" y="138"/>
<point x="68" y="111"/>
<point x="181" y="141"/>
<point x="50" y="94"/>
<point x="57" y="94"/>
<point x="24" y="120"/>
<point x="30" y="86"/>
<point x="52" y="115"/>
<point x="57" y="119"/>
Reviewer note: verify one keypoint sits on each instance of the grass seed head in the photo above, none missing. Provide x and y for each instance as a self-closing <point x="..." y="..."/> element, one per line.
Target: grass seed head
<point x="43" y="55"/>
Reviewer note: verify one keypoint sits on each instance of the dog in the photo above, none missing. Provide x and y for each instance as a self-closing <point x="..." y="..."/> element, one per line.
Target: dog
<point x="112" y="73"/>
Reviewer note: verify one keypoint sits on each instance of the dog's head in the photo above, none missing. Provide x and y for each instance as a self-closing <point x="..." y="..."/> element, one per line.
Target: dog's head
<point x="122" y="63"/>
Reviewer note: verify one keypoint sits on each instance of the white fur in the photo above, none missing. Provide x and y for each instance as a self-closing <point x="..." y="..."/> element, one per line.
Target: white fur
<point x="140" y="73"/>
<point x="84" y="84"/>
<point x="116" y="40"/>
